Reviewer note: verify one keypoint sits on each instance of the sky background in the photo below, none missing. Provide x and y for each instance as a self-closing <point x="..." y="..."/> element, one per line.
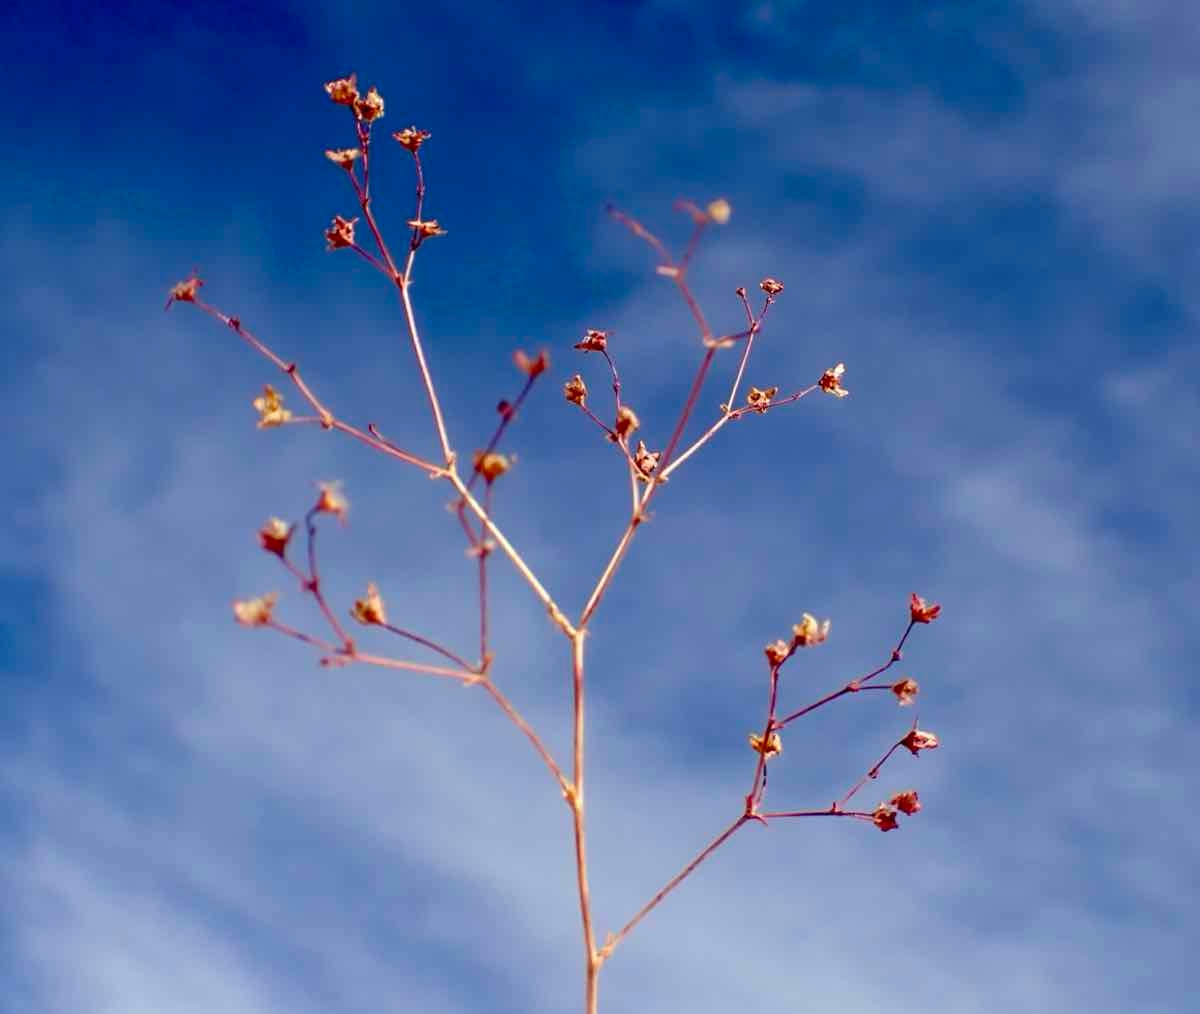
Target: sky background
<point x="989" y="211"/>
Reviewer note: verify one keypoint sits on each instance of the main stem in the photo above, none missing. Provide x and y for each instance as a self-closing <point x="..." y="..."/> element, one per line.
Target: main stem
<point x="577" y="809"/>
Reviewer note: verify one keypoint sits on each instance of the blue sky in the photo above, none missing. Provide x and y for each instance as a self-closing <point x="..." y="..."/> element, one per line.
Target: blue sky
<point x="987" y="210"/>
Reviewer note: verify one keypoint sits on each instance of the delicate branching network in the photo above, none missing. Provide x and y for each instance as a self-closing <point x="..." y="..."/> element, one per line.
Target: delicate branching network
<point x="648" y="470"/>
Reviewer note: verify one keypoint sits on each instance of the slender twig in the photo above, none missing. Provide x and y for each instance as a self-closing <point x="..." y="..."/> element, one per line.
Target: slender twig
<point x="576" y="800"/>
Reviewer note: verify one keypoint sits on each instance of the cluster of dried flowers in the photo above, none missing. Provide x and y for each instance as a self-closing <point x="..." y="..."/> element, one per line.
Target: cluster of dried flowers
<point x="648" y="470"/>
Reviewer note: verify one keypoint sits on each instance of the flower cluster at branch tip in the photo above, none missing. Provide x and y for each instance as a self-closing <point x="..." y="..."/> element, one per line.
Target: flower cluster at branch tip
<point x="344" y="157"/>
<point x="645" y="460"/>
<point x="918" y="740"/>
<point x="491" y="465"/>
<point x="425" y="229"/>
<point x="905" y="802"/>
<point x="831" y="381"/>
<point x="593" y="341"/>
<point x="770" y="747"/>
<point x="627" y="422"/>
<point x="922" y="611"/>
<point x="771" y="286"/>
<point x="269" y="406"/>
<point x="275" y="535"/>
<point x="719" y="211"/>
<point x="809" y="632"/>
<point x="884" y="817"/>
<point x="340" y="233"/>
<point x="531" y="367"/>
<point x="184" y="292"/>
<point x="575" y="390"/>
<point x="906" y="691"/>
<point x="370" y="609"/>
<point x="255" y="612"/>
<point x="344" y="92"/>
<point x="777" y="652"/>
<point x="332" y="501"/>
<point x="759" y="399"/>
<point x="411" y="138"/>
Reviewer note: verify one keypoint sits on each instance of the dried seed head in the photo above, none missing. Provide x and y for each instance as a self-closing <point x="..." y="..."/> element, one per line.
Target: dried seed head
<point x="777" y="652"/>
<point x="269" y="406"/>
<point x="809" y="632"/>
<point x="771" y="286"/>
<point x="370" y="609"/>
<point x="831" y="381"/>
<point x="645" y="460"/>
<point x="719" y="211"/>
<point x="411" y="138"/>
<point x="184" y="292"/>
<point x="255" y="612"/>
<point x="340" y="233"/>
<point x="343" y="91"/>
<point x="575" y="390"/>
<point x="922" y="611"/>
<point x="343" y="156"/>
<point x="771" y="747"/>
<point x="369" y="107"/>
<point x="918" y="740"/>
<point x="332" y="500"/>
<point x="906" y="802"/>
<point x="593" y="341"/>
<point x="426" y="228"/>
<point x="531" y="367"/>
<point x="759" y="399"/>
<point x="906" y="691"/>
<point x="884" y="817"/>
<point x="275" y="535"/>
<point x="491" y="465"/>
<point x="627" y="422"/>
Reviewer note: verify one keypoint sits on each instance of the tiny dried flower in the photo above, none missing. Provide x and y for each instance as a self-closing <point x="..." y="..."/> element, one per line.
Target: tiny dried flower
<point x="758" y="399"/>
<point x="645" y="460"/>
<point x="884" y="817"/>
<point x="922" y="611"/>
<point x="369" y="107"/>
<point x="777" y="652"/>
<point x="340" y="233"/>
<point x="411" y="138"/>
<point x="370" y="609"/>
<point x="593" y="341"/>
<point x="809" y="632"/>
<point x="906" y="802"/>
<point x="627" y="422"/>
<point x="491" y="465"/>
<point x="269" y="406"/>
<point x="769" y="748"/>
<point x="531" y="367"/>
<point x="332" y="500"/>
<point x="575" y="390"/>
<point x="771" y="286"/>
<point x="255" y="612"/>
<point x="343" y="91"/>
<point x="719" y="210"/>
<point x="918" y="740"/>
<point x="906" y="691"/>
<point x="184" y="292"/>
<point x="426" y="228"/>
<point x="343" y="156"/>
<point x="831" y="381"/>
<point x="275" y="535"/>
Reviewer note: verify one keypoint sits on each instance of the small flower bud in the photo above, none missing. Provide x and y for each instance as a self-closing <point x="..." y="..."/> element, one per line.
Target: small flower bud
<point x="777" y="652"/>
<point x="344" y="90"/>
<point x="831" y="381"/>
<point x="575" y="390"/>
<point x="426" y="228"/>
<point x="184" y="292"/>
<point x="255" y="612"/>
<point x="906" y="802"/>
<point x="275" y="535"/>
<point x="332" y="501"/>
<point x="411" y="138"/>
<point x="769" y="748"/>
<point x="884" y="817"/>
<point x="922" y="611"/>
<point x="340" y="233"/>
<point x="906" y="691"/>
<point x="531" y="367"/>
<point x="759" y="399"/>
<point x="269" y="406"/>
<point x="918" y="740"/>
<point x="719" y="211"/>
<point x="809" y="632"/>
<point x="645" y="461"/>
<point x="491" y="465"/>
<point x="627" y="422"/>
<point x="593" y="341"/>
<point x="370" y="609"/>
<point x="343" y="156"/>
<point x="771" y="286"/>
